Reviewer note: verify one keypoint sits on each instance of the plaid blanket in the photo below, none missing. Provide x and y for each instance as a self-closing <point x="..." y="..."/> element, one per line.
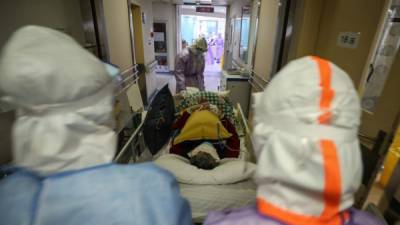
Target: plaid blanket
<point x="224" y="104"/>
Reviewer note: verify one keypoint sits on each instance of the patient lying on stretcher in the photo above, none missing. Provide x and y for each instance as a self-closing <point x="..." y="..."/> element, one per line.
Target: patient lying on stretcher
<point x="205" y="148"/>
<point x="205" y="136"/>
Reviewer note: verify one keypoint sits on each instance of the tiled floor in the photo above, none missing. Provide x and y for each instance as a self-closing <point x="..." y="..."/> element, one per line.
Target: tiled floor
<point x="212" y="77"/>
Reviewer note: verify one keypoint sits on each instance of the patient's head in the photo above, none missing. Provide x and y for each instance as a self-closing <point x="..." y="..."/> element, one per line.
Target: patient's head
<point x="203" y="160"/>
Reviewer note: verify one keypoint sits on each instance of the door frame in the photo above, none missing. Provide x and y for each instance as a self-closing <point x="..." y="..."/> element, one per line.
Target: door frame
<point x="138" y="68"/>
<point x="284" y="36"/>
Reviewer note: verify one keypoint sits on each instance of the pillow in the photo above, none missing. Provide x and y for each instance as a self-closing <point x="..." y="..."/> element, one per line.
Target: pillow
<point x="228" y="172"/>
<point x="202" y="125"/>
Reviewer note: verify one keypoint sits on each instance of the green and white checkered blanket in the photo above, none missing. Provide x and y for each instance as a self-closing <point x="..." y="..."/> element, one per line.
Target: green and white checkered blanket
<point x="224" y="104"/>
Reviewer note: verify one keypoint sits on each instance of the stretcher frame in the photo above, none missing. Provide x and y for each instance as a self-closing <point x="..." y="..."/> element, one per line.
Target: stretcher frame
<point x="135" y="145"/>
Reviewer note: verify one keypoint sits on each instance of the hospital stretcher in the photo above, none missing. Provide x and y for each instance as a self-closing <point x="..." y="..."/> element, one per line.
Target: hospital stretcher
<point x="202" y="198"/>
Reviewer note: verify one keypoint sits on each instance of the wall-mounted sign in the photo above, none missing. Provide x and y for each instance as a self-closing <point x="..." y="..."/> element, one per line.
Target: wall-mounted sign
<point x="203" y="9"/>
<point x="159" y="36"/>
<point x="348" y="39"/>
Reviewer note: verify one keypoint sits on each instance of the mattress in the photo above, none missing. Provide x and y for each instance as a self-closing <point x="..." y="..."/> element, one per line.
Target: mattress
<point x="205" y="198"/>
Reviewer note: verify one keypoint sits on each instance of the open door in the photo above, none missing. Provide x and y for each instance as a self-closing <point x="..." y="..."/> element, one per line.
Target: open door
<point x="271" y="45"/>
<point x="135" y="16"/>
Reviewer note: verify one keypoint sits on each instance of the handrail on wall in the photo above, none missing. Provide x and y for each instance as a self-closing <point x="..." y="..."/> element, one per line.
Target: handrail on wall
<point x="253" y="73"/>
<point x="236" y="64"/>
<point x="128" y="78"/>
<point x="254" y="81"/>
<point x="150" y="67"/>
<point x="128" y="143"/>
<point x="134" y="79"/>
<point x="255" y="84"/>
<point x="128" y="71"/>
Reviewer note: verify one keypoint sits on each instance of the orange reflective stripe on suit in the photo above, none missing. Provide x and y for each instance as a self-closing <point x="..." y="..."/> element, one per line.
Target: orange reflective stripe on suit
<point x="332" y="183"/>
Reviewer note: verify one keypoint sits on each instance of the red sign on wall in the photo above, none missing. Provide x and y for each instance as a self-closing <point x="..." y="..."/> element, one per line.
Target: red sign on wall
<point x="203" y="9"/>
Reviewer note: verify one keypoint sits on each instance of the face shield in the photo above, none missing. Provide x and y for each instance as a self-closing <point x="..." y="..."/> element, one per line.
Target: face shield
<point x="8" y="103"/>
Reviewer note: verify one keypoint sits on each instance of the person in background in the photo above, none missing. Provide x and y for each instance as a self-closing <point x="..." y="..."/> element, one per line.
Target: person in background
<point x="210" y="55"/>
<point x="219" y="42"/>
<point x="63" y="142"/>
<point x="305" y="139"/>
<point x="184" y="44"/>
<point x="189" y="66"/>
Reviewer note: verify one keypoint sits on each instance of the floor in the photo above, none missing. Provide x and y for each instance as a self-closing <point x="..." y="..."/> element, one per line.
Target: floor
<point x="212" y="77"/>
<point x="375" y="194"/>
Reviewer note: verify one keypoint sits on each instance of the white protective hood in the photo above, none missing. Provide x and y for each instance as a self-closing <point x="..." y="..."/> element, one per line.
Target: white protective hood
<point x="305" y="136"/>
<point x="63" y="95"/>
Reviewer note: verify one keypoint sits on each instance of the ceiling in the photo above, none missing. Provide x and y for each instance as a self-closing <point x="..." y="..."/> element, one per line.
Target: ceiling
<point x="212" y="2"/>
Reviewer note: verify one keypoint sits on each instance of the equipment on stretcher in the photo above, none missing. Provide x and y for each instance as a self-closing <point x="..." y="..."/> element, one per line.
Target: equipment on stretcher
<point x="229" y="184"/>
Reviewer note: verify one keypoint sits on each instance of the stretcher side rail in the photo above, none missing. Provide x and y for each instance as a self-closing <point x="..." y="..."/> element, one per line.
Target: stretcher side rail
<point x="133" y="146"/>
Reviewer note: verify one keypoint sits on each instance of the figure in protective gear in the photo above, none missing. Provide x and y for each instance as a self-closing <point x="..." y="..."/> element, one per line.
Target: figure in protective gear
<point x="189" y="66"/>
<point x="219" y="42"/>
<point x="63" y="144"/>
<point x="305" y="139"/>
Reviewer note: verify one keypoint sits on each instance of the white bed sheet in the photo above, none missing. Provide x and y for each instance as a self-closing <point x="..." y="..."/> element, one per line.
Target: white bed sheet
<point x="205" y="198"/>
<point x="244" y="152"/>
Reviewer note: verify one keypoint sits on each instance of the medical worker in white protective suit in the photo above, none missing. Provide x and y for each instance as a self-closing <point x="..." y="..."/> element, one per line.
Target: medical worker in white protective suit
<point x="305" y="138"/>
<point x="63" y="145"/>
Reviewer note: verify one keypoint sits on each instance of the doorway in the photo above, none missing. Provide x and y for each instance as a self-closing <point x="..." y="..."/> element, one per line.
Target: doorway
<point x="135" y="15"/>
<point x="210" y="24"/>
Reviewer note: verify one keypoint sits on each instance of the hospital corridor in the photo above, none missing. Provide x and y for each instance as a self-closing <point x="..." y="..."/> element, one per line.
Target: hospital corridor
<point x="200" y="112"/>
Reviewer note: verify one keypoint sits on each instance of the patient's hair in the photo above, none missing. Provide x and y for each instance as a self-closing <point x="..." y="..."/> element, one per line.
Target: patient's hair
<point x="204" y="161"/>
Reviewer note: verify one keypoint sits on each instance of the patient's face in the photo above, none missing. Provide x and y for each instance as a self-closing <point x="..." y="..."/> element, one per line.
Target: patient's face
<point x="203" y="160"/>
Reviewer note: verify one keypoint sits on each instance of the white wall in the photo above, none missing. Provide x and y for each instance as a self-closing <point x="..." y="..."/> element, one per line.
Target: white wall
<point x="58" y="14"/>
<point x="164" y="12"/>
<point x="235" y="11"/>
<point x="253" y="32"/>
<point x="117" y="23"/>
<point x="266" y="35"/>
<point x="118" y="33"/>
<point x="146" y="7"/>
